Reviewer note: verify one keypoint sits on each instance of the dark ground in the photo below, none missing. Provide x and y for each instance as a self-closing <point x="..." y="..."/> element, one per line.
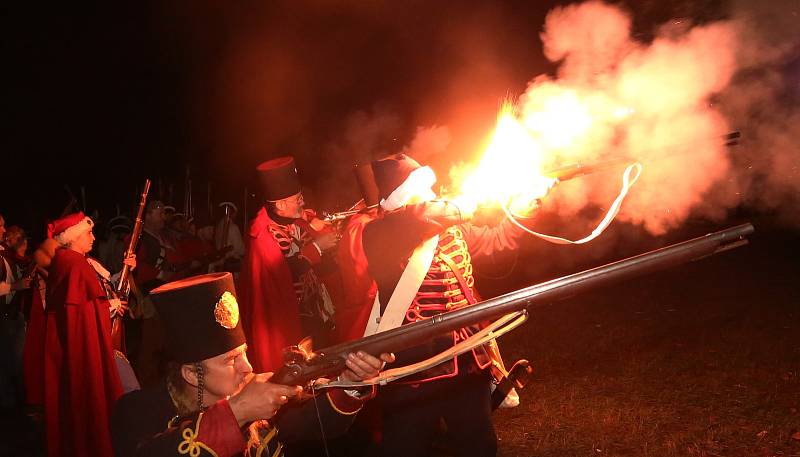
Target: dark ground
<point x="699" y="360"/>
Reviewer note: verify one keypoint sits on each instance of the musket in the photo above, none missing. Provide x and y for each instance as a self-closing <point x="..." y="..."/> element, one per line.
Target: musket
<point x="342" y="215"/>
<point x="72" y="201"/>
<point x="576" y="170"/>
<point x="579" y="169"/>
<point x="226" y="225"/>
<point x="187" y="194"/>
<point x="299" y="368"/>
<point x="135" y="234"/>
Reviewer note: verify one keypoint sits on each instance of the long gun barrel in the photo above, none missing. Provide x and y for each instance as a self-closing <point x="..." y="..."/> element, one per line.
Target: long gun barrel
<point x="331" y="360"/>
<point x="342" y="215"/>
<point x="135" y="234"/>
<point x="577" y="170"/>
<point x="580" y="169"/>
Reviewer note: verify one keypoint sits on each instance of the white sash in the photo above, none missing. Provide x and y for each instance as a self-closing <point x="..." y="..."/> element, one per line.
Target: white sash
<point x="404" y="292"/>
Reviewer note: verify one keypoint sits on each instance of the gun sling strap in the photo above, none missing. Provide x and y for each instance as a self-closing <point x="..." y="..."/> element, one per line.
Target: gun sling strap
<point x="404" y="291"/>
<point x="492" y="331"/>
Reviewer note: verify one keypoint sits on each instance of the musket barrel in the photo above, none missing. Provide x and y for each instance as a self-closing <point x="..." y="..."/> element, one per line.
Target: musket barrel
<point x="331" y="360"/>
<point x="135" y="234"/>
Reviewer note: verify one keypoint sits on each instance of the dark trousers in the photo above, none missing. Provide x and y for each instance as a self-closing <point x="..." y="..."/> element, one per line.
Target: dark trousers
<point x="412" y="415"/>
<point x="12" y="342"/>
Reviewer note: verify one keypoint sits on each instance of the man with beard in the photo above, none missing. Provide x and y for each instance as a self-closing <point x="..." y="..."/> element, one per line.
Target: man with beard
<point x="283" y="296"/>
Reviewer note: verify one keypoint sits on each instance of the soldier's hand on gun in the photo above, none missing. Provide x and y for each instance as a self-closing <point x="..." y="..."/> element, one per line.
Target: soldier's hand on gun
<point x="326" y="240"/>
<point x="118" y="307"/>
<point x="361" y="366"/>
<point x="130" y="261"/>
<point x="319" y="224"/>
<point x="260" y="399"/>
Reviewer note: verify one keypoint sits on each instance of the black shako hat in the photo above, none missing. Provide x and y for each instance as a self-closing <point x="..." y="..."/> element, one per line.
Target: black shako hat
<point x="392" y="171"/>
<point x="200" y="315"/>
<point x="278" y="178"/>
<point x="366" y="183"/>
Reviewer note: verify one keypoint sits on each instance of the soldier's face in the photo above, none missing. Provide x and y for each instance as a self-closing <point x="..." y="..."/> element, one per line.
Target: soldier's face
<point x="225" y="374"/>
<point x="291" y="206"/>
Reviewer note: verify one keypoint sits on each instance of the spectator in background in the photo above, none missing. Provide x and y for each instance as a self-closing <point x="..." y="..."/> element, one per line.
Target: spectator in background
<point x="82" y="380"/>
<point x="111" y="251"/>
<point x="228" y="237"/>
<point x="13" y="284"/>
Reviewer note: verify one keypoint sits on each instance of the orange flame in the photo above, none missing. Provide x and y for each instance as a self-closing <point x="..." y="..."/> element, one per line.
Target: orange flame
<point x="554" y="126"/>
<point x="510" y="170"/>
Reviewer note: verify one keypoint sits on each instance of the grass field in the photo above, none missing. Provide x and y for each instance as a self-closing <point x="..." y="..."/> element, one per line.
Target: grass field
<point x="700" y="360"/>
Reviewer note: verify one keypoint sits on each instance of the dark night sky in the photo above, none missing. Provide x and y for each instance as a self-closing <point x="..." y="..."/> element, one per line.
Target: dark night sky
<point x="104" y="96"/>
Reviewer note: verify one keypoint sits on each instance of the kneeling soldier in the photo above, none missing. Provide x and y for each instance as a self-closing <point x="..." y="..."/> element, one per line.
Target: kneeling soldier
<point x="211" y="403"/>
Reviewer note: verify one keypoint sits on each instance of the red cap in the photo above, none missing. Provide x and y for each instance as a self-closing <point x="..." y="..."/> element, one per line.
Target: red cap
<point x="59" y="225"/>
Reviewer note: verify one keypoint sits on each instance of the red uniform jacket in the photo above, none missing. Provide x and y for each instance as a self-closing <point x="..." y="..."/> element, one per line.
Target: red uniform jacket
<point x="354" y="308"/>
<point x="82" y="379"/>
<point x="267" y="300"/>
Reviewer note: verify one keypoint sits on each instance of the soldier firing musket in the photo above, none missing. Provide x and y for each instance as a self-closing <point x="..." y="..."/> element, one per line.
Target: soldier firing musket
<point x="304" y="365"/>
<point x="419" y="248"/>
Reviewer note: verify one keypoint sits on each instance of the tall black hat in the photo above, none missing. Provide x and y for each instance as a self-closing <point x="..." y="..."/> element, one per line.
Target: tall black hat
<point x="200" y="315"/>
<point x="278" y="178"/>
<point x="366" y="183"/>
<point x="392" y="171"/>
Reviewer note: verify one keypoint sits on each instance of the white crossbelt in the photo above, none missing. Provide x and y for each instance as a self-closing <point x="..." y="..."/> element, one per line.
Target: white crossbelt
<point x="404" y="292"/>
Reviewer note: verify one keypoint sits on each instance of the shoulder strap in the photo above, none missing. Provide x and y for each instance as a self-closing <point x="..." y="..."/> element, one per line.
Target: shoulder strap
<point x="404" y="292"/>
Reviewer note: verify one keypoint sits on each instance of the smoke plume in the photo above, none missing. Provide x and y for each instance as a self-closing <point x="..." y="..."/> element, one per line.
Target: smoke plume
<point x="667" y="103"/>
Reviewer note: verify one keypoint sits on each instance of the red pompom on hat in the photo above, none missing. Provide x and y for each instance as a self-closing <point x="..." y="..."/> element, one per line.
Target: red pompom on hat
<point x="68" y="228"/>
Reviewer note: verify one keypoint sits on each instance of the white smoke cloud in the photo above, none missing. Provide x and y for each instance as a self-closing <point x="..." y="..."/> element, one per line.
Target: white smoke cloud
<point x="762" y="101"/>
<point x="680" y="93"/>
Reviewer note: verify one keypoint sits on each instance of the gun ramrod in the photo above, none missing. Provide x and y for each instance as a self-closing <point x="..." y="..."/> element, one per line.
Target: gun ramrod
<point x="331" y="361"/>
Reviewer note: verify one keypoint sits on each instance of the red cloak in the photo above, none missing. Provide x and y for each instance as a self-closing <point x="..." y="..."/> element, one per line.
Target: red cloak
<point x="267" y="300"/>
<point x="82" y="379"/>
<point x="359" y="287"/>
<point x="33" y="352"/>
